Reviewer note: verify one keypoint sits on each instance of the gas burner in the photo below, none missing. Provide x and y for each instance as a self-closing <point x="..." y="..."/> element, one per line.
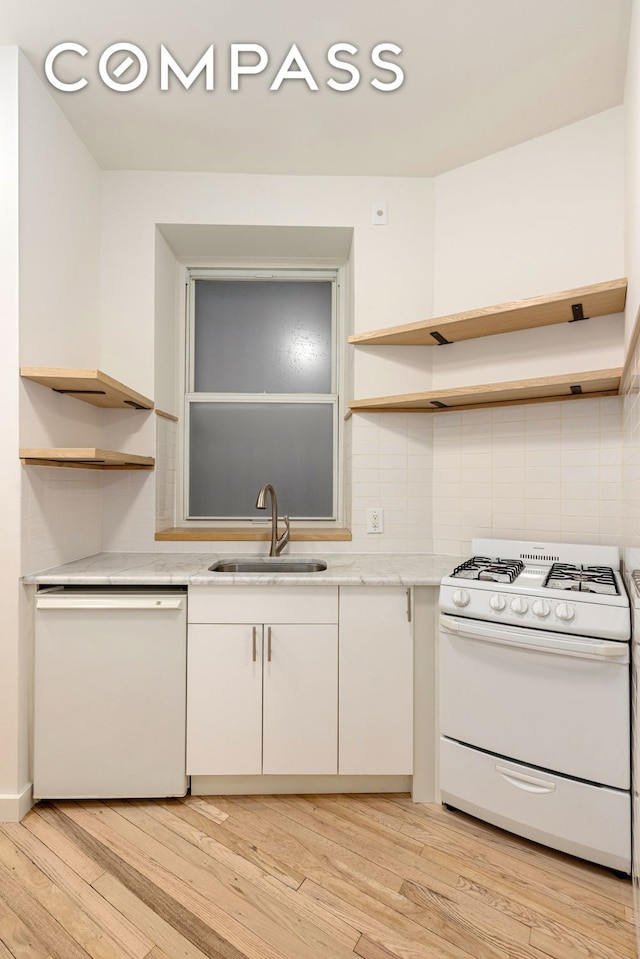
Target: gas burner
<point x="491" y="569"/>
<point x="583" y="579"/>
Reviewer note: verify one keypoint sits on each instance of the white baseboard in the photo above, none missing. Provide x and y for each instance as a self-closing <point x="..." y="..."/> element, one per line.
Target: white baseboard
<point x="255" y="785"/>
<point x="15" y="807"/>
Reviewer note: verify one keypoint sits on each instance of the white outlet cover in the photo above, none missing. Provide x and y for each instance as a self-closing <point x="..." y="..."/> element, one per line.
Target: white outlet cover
<point x="379" y="213"/>
<point x="375" y="520"/>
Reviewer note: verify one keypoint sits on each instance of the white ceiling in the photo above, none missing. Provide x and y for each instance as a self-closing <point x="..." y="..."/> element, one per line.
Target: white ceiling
<point x="481" y="75"/>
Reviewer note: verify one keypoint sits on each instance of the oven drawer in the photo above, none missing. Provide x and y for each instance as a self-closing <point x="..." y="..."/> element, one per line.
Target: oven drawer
<point x="591" y="822"/>
<point x="558" y="705"/>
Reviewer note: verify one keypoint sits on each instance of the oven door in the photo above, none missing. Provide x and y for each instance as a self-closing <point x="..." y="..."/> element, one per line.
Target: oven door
<point x="548" y="699"/>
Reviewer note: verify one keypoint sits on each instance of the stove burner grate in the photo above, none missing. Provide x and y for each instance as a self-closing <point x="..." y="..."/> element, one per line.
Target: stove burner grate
<point x="583" y="579"/>
<point x="491" y="569"/>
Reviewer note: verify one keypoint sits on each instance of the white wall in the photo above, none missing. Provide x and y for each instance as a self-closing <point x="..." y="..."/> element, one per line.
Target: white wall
<point x="390" y="282"/>
<point x="167" y="340"/>
<point x="631" y="467"/>
<point x="59" y="202"/>
<point x="392" y="265"/>
<point x="543" y="216"/>
<point x="49" y="246"/>
<point x="13" y="717"/>
<point x="632" y="171"/>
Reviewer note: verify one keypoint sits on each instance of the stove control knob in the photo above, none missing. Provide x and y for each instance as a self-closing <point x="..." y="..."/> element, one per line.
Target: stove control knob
<point x="519" y="605"/>
<point x="565" y="612"/>
<point x="541" y="608"/>
<point x="461" y="597"/>
<point x="497" y="603"/>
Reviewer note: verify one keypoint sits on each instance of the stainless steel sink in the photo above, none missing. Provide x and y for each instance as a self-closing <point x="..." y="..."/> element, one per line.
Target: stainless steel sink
<point x="268" y="565"/>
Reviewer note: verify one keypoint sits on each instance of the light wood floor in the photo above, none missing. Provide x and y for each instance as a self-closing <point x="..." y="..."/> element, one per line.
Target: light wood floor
<point x="315" y="877"/>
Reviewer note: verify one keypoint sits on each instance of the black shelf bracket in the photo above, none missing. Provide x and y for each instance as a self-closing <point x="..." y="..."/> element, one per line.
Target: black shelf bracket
<point x="440" y="339"/>
<point x="81" y="392"/>
<point x="578" y="314"/>
<point x="440" y="406"/>
<point x="576" y="390"/>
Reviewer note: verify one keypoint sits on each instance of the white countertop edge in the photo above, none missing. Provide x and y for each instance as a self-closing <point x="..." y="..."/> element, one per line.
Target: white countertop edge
<point x="191" y="569"/>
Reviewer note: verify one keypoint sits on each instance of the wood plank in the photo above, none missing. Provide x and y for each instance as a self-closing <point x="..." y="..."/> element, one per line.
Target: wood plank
<point x="168" y="416"/>
<point x="253" y="925"/>
<point x="598" y="882"/>
<point x="532" y="895"/>
<point x="368" y="949"/>
<point x="544" y="389"/>
<point x="599" y="299"/>
<point x="266" y="881"/>
<point x="47" y="913"/>
<point x="545" y="897"/>
<point x="17" y="940"/>
<point x="195" y="887"/>
<point x="566" y="945"/>
<point x="84" y="458"/>
<point x="42" y="824"/>
<point x="205" y="809"/>
<point x="105" y="917"/>
<point x="149" y="921"/>
<point x="393" y="931"/>
<point x="316" y="855"/>
<point x="192" y="927"/>
<point x="90" y="386"/>
<point x="246" y="848"/>
<point x="440" y="906"/>
<point x="299" y="534"/>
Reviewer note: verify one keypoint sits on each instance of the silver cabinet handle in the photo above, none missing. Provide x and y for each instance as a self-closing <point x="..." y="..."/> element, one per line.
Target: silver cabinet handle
<point x="255" y="644"/>
<point x="269" y="644"/>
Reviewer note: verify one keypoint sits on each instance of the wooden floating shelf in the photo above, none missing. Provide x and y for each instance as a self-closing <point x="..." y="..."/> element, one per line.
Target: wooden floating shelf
<point x="600" y="299"/>
<point x="85" y="458"/>
<point x="90" y="386"/>
<point x="546" y="389"/>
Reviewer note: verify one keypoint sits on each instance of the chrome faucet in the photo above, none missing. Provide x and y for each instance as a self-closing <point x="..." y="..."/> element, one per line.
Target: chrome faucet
<point x="277" y="545"/>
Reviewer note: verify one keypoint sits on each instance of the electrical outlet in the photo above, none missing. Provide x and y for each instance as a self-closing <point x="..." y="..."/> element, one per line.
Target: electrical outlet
<point x="375" y="520"/>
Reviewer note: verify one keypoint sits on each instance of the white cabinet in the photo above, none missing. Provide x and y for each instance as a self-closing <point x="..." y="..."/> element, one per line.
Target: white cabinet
<point x="300" y="706"/>
<point x="262" y="695"/>
<point x="376" y="681"/>
<point x="224" y="700"/>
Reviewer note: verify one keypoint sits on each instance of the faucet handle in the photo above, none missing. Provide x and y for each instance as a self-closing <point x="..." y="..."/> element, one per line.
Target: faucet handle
<point x="282" y="541"/>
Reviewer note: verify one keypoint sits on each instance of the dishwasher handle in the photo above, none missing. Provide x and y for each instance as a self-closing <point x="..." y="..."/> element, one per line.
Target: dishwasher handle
<point x="104" y="602"/>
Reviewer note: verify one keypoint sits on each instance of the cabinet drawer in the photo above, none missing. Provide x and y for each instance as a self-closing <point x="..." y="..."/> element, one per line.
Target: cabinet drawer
<point x="263" y="604"/>
<point x="593" y="822"/>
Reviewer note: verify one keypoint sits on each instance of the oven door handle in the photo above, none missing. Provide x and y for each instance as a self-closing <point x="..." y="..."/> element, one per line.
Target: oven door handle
<point x="559" y="646"/>
<point x="529" y="783"/>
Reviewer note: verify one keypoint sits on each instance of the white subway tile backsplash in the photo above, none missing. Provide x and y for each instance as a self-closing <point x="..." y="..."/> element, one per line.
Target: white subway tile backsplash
<point x="586" y="457"/>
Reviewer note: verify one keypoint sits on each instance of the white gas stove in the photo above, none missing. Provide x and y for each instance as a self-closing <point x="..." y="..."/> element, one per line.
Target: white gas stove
<point x="555" y="586"/>
<point x="534" y="659"/>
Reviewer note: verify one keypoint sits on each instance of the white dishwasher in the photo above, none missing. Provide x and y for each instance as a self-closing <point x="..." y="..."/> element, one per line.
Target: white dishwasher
<point x="109" y="693"/>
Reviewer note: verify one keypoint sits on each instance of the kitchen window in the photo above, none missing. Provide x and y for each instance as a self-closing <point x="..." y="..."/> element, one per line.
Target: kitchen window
<point x="261" y="394"/>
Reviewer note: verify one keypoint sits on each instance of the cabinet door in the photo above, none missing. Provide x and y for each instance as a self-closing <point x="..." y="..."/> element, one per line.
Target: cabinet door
<point x="224" y="700"/>
<point x="300" y="700"/>
<point x="376" y="681"/>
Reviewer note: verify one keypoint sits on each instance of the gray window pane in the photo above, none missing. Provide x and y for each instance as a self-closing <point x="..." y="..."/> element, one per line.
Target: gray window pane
<point x="237" y="447"/>
<point x="255" y="336"/>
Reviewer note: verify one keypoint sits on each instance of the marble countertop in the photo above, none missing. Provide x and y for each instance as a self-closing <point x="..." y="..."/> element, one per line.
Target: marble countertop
<point x="182" y="569"/>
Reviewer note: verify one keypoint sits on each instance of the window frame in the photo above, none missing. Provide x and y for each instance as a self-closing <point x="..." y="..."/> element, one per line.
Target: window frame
<point x="332" y="273"/>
